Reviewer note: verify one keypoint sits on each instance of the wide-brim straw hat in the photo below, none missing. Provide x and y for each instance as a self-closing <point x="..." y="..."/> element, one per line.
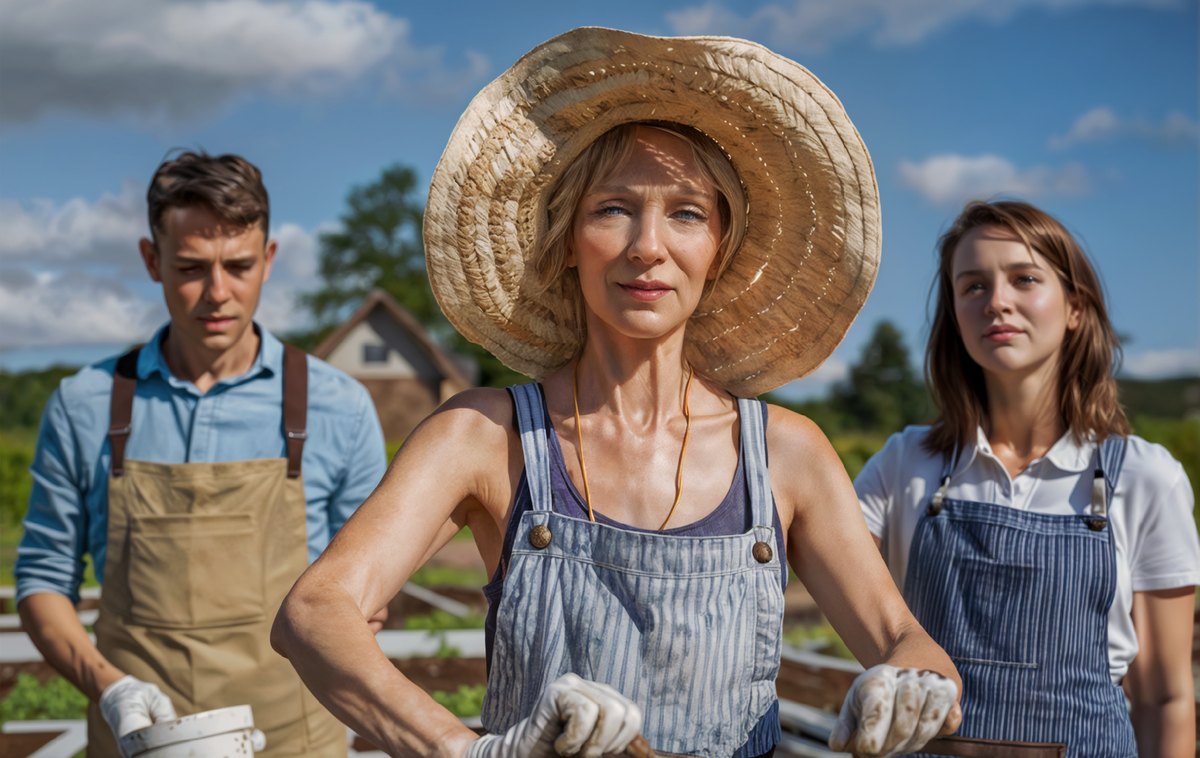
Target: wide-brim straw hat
<point x="812" y="243"/>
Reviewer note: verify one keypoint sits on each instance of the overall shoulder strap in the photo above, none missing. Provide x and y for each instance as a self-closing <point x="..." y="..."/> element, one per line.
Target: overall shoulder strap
<point x="120" y="416"/>
<point x="1112" y="458"/>
<point x="295" y="406"/>
<point x="531" y="424"/>
<point x="753" y="416"/>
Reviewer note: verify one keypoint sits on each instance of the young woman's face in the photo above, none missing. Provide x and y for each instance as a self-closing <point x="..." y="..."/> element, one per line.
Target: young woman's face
<point x="1012" y="309"/>
<point x="645" y="240"/>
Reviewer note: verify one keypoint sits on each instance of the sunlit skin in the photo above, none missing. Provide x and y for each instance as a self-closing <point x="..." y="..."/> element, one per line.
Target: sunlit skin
<point x="1013" y="313"/>
<point x="212" y="276"/>
<point x="644" y="245"/>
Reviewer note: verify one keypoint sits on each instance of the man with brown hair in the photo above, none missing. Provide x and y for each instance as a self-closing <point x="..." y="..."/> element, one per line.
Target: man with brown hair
<point x="203" y="472"/>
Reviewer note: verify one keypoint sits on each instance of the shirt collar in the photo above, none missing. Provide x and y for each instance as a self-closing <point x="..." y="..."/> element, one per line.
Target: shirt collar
<point x="1066" y="455"/>
<point x="268" y="362"/>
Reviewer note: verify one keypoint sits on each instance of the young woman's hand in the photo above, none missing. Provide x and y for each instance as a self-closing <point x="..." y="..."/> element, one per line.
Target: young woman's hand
<point x="895" y="710"/>
<point x="574" y="717"/>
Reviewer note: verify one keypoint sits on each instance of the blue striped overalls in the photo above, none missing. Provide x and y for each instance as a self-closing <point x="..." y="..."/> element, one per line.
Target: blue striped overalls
<point x="1020" y="601"/>
<point x="687" y="627"/>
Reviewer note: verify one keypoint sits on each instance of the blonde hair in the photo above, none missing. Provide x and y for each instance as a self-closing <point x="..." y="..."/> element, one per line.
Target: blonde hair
<point x="1091" y="353"/>
<point x="597" y="163"/>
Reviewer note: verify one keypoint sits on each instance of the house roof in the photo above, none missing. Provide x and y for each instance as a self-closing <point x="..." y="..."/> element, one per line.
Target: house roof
<point x="404" y="317"/>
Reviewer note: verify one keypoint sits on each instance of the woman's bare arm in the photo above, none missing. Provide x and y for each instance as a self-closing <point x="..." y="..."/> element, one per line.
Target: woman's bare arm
<point x="833" y="553"/>
<point x="1159" y="681"/>
<point x="459" y="467"/>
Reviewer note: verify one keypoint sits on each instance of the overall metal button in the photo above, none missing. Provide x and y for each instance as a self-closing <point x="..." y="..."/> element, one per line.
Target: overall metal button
<point x="762" y="552"/>
<point x="1097" y="524"/>
<point x="539" y="536"/>
<point x="933" y="510"/>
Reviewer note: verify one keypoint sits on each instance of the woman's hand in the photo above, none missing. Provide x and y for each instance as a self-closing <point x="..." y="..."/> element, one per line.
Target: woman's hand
<point x="574" y="717"/>
<point x="895" y="710"/>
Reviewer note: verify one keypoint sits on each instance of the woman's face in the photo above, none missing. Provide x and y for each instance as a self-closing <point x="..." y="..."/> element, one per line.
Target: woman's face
<point x="645" y="240"/>
<point x="1013" y="311"/>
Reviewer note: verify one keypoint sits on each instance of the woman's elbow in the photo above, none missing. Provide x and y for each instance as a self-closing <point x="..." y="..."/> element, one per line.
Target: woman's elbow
<point x="291" y="624"/>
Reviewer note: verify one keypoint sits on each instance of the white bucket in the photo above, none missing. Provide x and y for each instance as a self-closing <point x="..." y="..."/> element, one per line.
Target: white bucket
<point x="221" y="733"/>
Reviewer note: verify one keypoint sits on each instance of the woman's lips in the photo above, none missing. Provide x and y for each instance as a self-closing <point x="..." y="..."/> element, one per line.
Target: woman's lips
<point x="646" y="291"/>
<point x="1001" y="333"/>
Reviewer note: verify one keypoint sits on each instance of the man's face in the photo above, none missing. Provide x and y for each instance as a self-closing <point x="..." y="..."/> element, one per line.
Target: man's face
<point x="211" y="273"/>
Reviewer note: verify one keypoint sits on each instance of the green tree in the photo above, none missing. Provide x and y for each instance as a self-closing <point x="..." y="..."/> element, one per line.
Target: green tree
<point x="379" y="245"/>
<point x="882" y="393"/>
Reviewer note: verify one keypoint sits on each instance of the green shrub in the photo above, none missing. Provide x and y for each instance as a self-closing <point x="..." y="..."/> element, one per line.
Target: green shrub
<point x="440" y="619"/>
<point x="819" y="638"/>
<point x="449" y="576"/>
<point x="30" y="700"/>
<point x="463" y="702"/>
<point x="15" y="480"/>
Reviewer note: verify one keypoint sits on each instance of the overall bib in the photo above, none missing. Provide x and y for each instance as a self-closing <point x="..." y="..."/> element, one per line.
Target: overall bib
<point x="1020" y="602"/>
<point x="200" y="557"/>
<point x="687" y="627"/>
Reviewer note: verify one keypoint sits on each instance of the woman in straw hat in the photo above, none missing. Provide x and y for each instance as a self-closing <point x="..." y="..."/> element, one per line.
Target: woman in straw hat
<point x="1049" y="550"/>
<point x="656" y="229"/>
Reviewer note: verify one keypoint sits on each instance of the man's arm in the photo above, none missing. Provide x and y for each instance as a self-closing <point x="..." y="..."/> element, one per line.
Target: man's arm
<point x="366" y="462"/>
<point x="50" y="620"/>
<point x="50" y="557"/>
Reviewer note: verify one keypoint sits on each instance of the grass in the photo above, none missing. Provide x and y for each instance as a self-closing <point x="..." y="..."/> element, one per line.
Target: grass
<point x="466" y="701"/>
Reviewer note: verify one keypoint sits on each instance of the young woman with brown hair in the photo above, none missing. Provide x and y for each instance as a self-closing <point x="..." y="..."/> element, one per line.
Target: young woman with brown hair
<point x="1048" y="550"/>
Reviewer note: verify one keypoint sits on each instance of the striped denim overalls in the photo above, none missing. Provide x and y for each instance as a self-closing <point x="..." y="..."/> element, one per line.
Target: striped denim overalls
<point x="1020" y="601"/>
<point x="687" y="627"/>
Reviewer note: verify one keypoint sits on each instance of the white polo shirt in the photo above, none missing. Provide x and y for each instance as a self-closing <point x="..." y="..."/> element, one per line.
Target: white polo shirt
<point x="1150" y="514"/>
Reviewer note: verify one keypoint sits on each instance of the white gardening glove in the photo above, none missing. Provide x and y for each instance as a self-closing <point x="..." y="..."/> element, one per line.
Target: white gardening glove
<point x="893" y="710"/>
<point x="129" y="704"/>
<point x="574" y="717"/>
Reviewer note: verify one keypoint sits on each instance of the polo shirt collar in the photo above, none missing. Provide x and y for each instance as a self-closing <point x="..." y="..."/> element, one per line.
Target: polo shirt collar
<point x="1066" y="454"/>
<point x="268" y="362"/>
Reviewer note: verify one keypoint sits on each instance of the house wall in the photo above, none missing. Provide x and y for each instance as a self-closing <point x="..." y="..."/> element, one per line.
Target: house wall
<point x="401" y="403"/>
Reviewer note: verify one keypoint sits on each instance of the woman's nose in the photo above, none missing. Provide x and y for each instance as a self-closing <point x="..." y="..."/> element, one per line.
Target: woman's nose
<point x="647" y="244"/>
<point x="998" y="301"/>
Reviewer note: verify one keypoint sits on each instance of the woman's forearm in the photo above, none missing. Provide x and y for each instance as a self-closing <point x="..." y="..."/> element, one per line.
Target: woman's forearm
<point x="1165" y="730"/>
<point x="323" y="633"/>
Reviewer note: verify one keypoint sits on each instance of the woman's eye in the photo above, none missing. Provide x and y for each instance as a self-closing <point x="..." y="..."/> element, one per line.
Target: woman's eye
<point x="974" y="288"/>
<point x="1026" y="279"/>
<point x="689" y="214"/>
<point x="612" y="210"/>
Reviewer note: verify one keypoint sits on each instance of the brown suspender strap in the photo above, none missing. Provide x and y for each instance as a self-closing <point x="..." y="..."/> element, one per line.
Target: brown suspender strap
<point x="120" y="415"/>
<point x="295" y="405"/>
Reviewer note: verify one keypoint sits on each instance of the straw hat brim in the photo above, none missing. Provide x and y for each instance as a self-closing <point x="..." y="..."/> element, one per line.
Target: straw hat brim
<point x="812" y="243"/>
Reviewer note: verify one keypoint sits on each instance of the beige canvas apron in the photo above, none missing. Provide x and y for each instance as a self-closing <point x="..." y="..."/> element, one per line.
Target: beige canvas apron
<point x="200" y="557"/>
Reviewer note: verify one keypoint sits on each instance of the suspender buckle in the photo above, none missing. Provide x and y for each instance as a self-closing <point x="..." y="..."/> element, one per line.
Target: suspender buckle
<point x="301" y="435"/>
<point x="122" y="432"/>
<point x="935" y="505"/>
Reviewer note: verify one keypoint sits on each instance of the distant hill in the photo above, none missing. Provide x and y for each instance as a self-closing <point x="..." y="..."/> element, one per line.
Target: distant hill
<point x="1162" y="398"/>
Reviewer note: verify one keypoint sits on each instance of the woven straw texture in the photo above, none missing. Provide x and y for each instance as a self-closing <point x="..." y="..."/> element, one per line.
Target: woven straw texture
<point x="813" y="237"/>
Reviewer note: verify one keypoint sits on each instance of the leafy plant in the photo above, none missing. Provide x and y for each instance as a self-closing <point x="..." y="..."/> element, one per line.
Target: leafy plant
<point x="464" y="702"/>
<point x="449" y="576"/>
<point x="30" y="700"/>
<point x="440" y="619"/>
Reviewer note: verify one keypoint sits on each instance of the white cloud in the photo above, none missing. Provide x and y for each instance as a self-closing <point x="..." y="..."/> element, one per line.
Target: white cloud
<point x="1162" y="364"/>
<point x="79" y="231"/>
<point x="71" y="308"/>
<point x="951" y="179"/>
<point x="813" y="26"/>
<point x="818" y="383"/>
<point x="294" y="272"/>
<point x="181" y="59"/>
<point x="1102" y="123"/>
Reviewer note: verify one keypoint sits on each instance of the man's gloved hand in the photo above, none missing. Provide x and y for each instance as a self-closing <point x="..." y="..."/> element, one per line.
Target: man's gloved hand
<point x="575" y="717"/>
<point x="129" y="704"/>
<point x="893" y="710"/>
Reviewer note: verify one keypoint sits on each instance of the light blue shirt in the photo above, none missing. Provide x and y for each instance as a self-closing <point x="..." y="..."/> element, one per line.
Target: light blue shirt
<point x="237" y="419"/>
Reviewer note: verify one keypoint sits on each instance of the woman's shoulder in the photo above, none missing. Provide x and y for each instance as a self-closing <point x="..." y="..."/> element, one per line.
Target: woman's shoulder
<point x="476" y="415"/>
<point x="1148" y="466"/>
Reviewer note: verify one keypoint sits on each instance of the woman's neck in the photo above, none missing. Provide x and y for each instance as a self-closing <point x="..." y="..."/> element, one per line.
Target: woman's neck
<point x="640" y="380"/>
<point x="1024" y="420"/>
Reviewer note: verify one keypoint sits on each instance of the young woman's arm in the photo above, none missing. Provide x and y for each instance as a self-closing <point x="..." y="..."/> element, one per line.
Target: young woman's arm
<point x="1159" y="681"/>
<point x="459" y="467"/>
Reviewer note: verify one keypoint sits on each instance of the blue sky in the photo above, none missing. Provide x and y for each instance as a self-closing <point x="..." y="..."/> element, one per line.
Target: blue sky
<point x="1085" y="107"/>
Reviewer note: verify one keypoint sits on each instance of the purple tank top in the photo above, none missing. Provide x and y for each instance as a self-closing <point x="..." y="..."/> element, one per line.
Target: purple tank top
<point x="732" y="516"/>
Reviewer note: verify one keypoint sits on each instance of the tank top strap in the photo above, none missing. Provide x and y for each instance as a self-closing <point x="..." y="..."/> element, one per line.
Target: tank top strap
<point x="531" y="424"/>
<point x="1112" y="457"/>
<point x="754" y="450"/>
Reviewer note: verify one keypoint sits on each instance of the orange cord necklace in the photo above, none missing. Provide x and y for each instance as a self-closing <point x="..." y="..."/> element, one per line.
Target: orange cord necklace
<point x="687" y="432"/>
